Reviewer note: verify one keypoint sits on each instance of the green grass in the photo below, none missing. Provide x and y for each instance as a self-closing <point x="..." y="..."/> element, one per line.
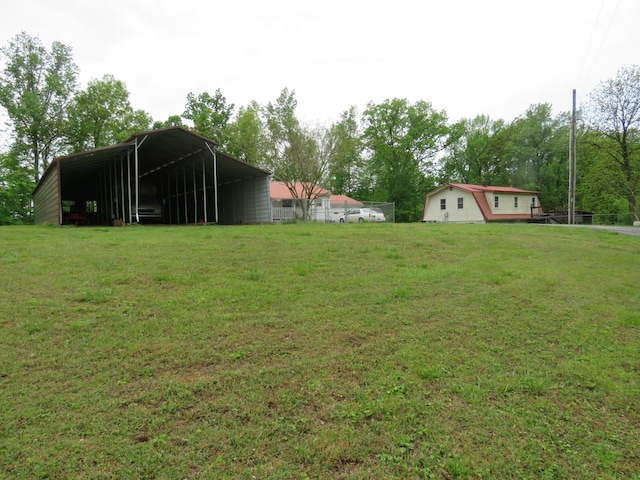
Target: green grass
<point x="319" y="351"/>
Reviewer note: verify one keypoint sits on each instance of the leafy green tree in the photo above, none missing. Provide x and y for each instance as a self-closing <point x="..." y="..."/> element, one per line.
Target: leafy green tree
<point x="134" y="121"/>
<point x="282" y="127"/>
<point x="210" y="116"/>
<point x="553" y="176"/>
<point x="101" y="115"/>
<point x="347" y="166"/>
<point x="36" y="86"/>
<point x="529" y="153"/>
<point x="401" y="142"/>
<point x="246" y="134"/>
<point x="599" y="179"/>
<point x="172" y="121"/>
<point x="477" y="152"/>
<point x="16" y="185"/>
<point x="533" y="146"/>
<point x="293" y="152"/>
<point x="613" y="111"/>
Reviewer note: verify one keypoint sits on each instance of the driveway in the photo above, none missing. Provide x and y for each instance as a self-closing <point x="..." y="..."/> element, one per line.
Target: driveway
<point x="612" y="228"/>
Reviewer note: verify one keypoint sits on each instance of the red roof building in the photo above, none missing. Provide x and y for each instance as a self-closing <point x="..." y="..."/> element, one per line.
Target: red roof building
<point x="322" y="207"/>
<point x="462" y="203"/>
<point x="338" y="201"/>
<point x="280" y="191"/>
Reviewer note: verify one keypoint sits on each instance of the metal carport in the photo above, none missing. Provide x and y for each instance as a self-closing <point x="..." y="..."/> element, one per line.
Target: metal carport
<point x="190" y="179"/>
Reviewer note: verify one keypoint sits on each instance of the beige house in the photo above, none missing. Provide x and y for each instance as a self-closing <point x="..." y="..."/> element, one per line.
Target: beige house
<point x="461" y="203"/>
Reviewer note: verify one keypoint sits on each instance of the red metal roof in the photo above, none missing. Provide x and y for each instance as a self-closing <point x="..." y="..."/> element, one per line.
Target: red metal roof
<point x="340" y="200"/>
<point x="487" y="188"/>
<point x="281" y="191"/>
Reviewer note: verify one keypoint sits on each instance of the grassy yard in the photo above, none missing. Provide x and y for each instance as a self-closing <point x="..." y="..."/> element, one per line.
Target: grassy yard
<point x="319" y="351"/>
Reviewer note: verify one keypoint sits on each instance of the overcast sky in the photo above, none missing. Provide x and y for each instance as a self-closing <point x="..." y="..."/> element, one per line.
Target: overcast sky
<point x="467" y="57"/>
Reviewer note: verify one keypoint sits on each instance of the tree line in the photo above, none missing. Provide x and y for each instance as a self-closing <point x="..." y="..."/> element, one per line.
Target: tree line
<point x="394" y="151"/>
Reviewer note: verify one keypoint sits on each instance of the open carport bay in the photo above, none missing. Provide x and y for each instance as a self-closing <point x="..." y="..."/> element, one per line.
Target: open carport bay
<point x="170" y="176"/>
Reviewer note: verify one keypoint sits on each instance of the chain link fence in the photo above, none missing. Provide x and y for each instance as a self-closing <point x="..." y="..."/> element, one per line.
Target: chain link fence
<point x="614" y="219"/>
<point x="388" y="208"/>
<point x="587" y="218"/>
<point x="345" y="210"/>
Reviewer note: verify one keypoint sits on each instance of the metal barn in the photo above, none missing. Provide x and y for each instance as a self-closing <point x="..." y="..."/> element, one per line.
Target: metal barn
<point x="170" y="176"/>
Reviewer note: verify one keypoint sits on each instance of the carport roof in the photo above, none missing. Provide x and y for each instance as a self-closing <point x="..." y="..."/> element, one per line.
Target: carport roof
<point x="156" y="149"/>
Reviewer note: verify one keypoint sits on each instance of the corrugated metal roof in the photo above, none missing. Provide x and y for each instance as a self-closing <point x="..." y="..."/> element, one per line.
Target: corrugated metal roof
<point x="175" y="163"/>
<point x="157" y="149"/>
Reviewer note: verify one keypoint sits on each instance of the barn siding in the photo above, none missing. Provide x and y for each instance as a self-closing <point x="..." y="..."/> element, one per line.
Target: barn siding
<point x="237" y="203"/>
<point x="46" y="198"/>
<point x="507" y="202"/>
<point x="263" y="200"/>
<point x="470" y="213"/>
<point x="245" y="202"/>
<point x="249" y="204"/>
<point x="225" y="205"/>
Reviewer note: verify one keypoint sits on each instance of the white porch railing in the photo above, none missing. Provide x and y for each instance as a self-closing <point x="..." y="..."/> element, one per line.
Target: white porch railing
<point x="283" y="213"/>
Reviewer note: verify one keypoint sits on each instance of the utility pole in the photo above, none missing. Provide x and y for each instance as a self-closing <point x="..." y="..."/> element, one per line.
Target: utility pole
<point x="572" y="165"/>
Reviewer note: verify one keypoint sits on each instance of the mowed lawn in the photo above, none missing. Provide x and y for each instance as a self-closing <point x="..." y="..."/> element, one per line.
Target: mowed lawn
<point x="319" y="351"/>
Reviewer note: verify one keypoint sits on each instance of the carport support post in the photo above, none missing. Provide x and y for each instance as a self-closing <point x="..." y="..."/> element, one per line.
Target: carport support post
<point x="195" y="196"/>
<point x="215" y="179"/>
<point x="129" y="183"/>
<point x="137" y="146"/>
<point x="204" y="191"/>
<point x="104" y="210"/>
<point x="137" y="179"/>
<point x="169" y="197"/>
<point x="184" y="181"/>
<point x="177" y="200"/>
<point x="122" y="187"/>
<point x="112" y="179"/>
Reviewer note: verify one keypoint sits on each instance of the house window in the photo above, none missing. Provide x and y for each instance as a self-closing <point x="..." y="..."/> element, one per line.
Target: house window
<point x="515" y="202"/>
<point x="496" y="201"/>
<point x="443" y="204"/>
<point x="460" y="203"/>
<point x="533" y="201"/>
<point x="286" y="203"/>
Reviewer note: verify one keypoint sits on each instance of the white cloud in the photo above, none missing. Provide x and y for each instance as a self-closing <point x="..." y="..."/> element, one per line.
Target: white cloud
<point x="465" y="57"/>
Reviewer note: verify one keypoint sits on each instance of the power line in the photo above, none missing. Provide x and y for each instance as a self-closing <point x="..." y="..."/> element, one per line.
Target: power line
<point x="602" y="42"/>
<point x="593" y="34"/>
